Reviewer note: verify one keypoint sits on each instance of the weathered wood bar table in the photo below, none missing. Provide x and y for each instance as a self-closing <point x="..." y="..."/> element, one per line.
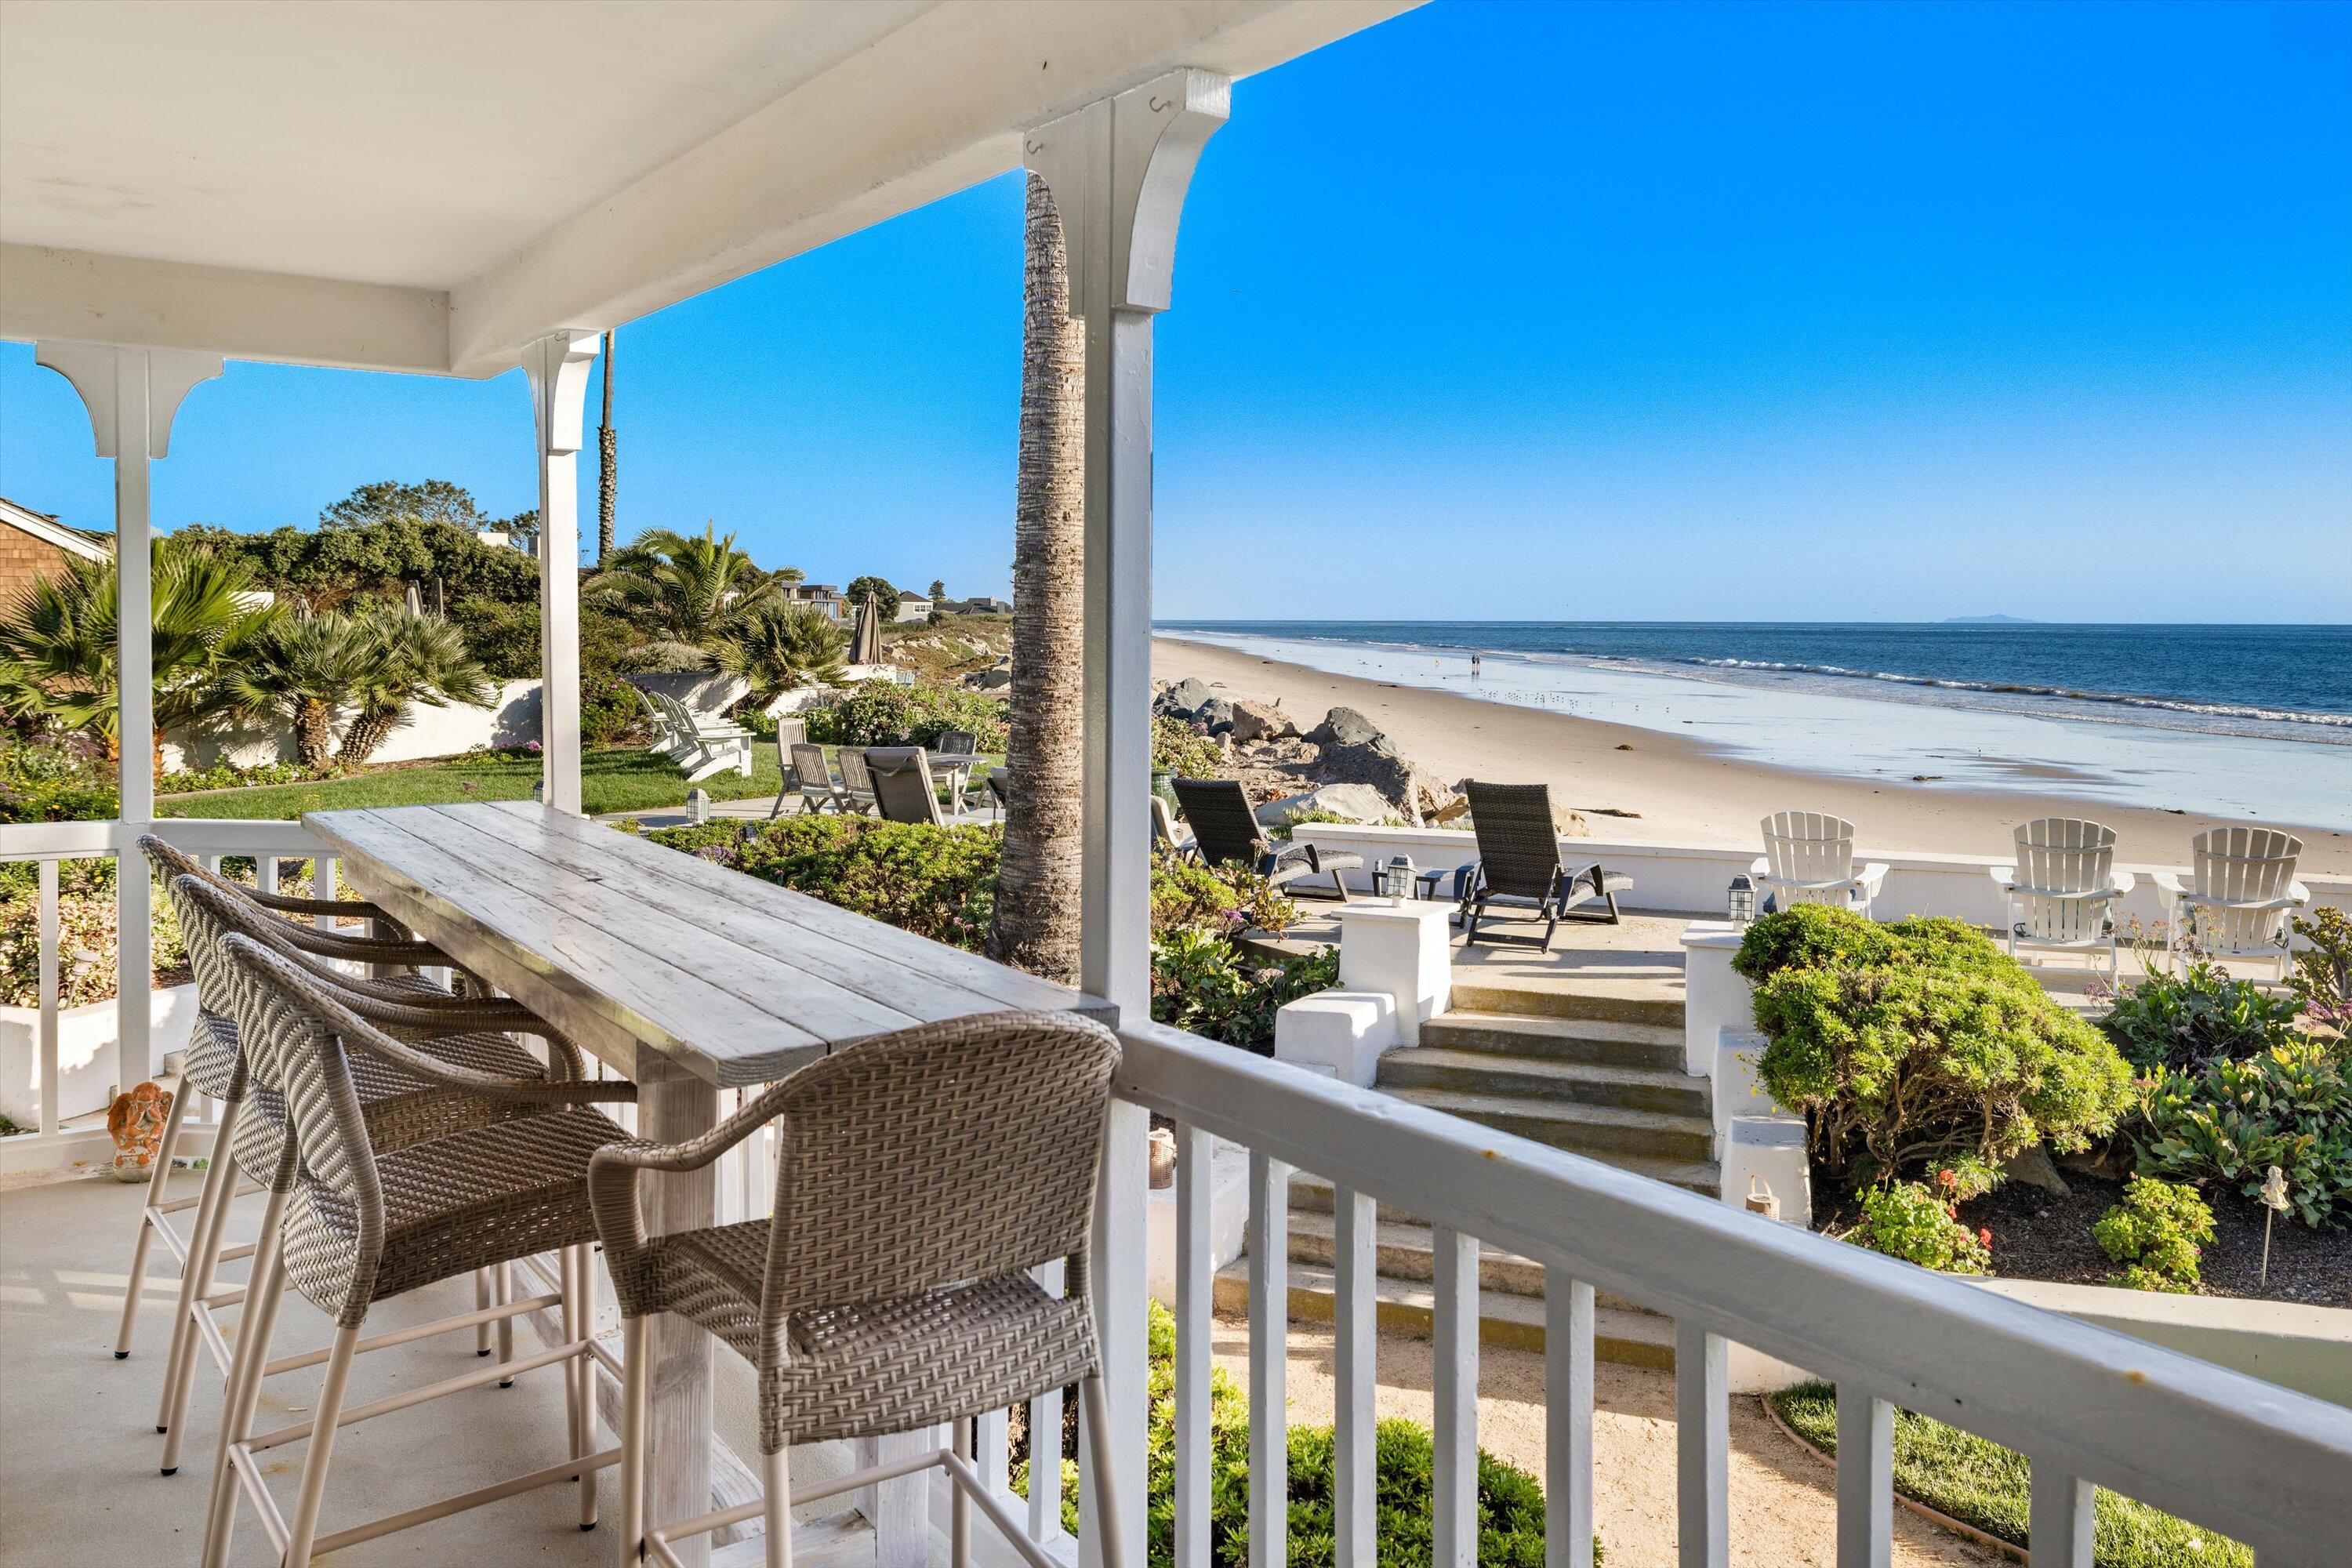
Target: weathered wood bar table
<point x="681" y="975"/>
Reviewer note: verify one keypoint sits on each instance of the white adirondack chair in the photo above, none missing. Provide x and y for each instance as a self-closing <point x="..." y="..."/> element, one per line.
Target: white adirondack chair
<point x="2062" y="886"/>
<point x="2239" y="895"/>
<point x="704" y="746"/>
<point x="1809" y="859"/>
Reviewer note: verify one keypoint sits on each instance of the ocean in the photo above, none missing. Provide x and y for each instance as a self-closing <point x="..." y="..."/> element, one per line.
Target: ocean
<point x="2234" y="722"/>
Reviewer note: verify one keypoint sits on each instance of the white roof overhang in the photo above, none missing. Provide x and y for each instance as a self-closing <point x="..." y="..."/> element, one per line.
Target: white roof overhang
<point x="429" y="184"/>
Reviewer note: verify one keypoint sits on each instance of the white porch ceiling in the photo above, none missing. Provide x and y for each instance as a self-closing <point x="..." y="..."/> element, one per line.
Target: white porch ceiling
<point x="427" y="185"/>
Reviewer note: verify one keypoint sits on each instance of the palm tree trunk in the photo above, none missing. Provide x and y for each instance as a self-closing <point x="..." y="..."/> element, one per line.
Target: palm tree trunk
<point x="1036" y="925"/>
<point x="313" y="733"/>
<point x="370" y="730"/>
<point x="607" y="453"/>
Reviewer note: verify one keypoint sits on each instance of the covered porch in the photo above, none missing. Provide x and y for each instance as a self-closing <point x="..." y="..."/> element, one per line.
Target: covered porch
<point x="748" y="134"/>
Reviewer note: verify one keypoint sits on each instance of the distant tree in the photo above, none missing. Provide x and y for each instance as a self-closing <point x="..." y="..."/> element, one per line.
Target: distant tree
<point x="301" y="671"/>
<point x="522" y="531"/>
<point x="885" y="597"/>
<point x="408" y="661"/>
<point x="678" y="588"/>
<point x="608" y="449"/>
<point x="939" y="590"/>
<point x="788" y="575"/>
<point x="324" y="567"/>
<point x="58" y="643"/>
<point x="387" y="500"/>
<point x="779" y="647"/>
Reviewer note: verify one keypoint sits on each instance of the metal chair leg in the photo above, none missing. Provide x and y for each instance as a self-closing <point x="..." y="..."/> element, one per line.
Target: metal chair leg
<point x="960" y="1505"/>
<point x="323" y="1418"/>
<point x="776" y="1474"/>
<point x="580" y="1376"/>
<point x="197" y="1281"/>
<point x="502" y="1292"/>
<point x="1094" y="1405"/>
<point x="481" y="1301"/>
<point x="149" y="1219"/>
<point x="263" y="1293"/>
<point x="636" y="1346"/>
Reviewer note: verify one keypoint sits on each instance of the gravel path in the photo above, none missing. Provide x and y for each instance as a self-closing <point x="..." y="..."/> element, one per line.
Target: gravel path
<point x="1783" y="1506"/>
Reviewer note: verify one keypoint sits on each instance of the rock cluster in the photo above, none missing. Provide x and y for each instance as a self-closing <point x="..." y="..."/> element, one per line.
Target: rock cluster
<point x="1345" y="762"/>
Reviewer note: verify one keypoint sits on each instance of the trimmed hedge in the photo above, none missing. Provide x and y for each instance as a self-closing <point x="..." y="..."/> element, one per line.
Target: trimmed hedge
<point x="1919" y="1042"/>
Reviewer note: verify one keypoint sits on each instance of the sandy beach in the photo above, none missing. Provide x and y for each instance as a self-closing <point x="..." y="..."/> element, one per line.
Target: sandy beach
<point x="1681" y="792"/>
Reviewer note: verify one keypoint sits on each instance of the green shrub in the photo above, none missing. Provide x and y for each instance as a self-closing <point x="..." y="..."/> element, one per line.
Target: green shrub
<point x="228" y="776"/>
<point x="86" y="949"/>
<point x="2289" y="1107"/>
<point x="879" y="713"/>
<point x="1815" y="936"/>
<point x="1226" y="899"/>
<point x="1899" y="1067"/>
<point x="2157" y="1233"/>
<point x="1178" y="748"/>
<point x="938" y="882"/>
<point x="1210" y="985"/>
<point x="2189" y="1019"/>
<point x="54" y="778"/>
<point x="2323" y="970"/>
<point x="1510" y="1502"/>
<point x="1989" y="1488"/>
<point x="1907" y="1221"/>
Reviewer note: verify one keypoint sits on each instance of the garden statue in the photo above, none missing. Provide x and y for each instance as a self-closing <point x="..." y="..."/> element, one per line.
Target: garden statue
<point x="136" y="1122"/>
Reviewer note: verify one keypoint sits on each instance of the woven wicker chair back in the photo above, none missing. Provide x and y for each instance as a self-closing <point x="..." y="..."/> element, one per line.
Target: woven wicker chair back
<point x="1224" y="826"/>
<point x="1518" y="845"/>
<point x="856" y="777"/>
<point x="951" y="1151"/>
<point x="903" y="788"/>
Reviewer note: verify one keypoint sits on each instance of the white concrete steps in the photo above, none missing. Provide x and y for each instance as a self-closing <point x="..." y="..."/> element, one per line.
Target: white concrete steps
<point x="1662" y="1089"/>
<point x="1553" y="1038"/>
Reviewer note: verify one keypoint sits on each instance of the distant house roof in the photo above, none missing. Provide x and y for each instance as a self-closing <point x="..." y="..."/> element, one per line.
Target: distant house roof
<point x="49" y="530"/>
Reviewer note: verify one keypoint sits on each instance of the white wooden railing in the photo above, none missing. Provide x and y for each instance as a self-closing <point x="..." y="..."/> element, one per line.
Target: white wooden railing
<point x="2089" y="1407"/>
<point x="52" y="1145"/>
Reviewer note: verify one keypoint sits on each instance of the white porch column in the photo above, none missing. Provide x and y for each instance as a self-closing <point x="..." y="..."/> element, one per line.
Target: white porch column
<point x="132" y="395"/>
<point x="558" y="368"/>
<point x="1118" y="170"/>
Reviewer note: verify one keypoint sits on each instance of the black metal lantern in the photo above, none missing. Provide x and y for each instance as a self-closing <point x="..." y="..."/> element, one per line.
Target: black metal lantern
<point x="1393" y="881"/>
<point x="1743" y="900"/>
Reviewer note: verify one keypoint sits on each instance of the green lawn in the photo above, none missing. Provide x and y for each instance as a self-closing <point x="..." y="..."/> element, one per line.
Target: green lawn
<point x="1981" y="1483"/>
<point x="612" y="778"/>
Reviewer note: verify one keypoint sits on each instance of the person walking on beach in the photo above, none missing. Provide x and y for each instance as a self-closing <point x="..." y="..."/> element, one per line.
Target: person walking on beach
<point x="1474" y="666"/>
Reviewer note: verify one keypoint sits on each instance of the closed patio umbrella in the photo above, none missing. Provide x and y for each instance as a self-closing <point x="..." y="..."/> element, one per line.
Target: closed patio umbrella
<point x="865" y="642"/>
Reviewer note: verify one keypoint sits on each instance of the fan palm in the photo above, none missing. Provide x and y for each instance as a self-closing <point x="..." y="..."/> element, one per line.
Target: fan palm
<point x="58" y="643"/>
<point x="412" y="660"/>
<point x="679" y="587"/>
<point x="301" y="671"/>
<point x="778" y="648"/>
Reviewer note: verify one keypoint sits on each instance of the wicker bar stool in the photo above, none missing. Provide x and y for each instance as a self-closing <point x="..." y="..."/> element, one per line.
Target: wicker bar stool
<point x="216" y="1065"/>
<point x="920" y="1178"/>
<point x="351" y="1224"/>
<point x="400" y="1108"/>
<point x="211" y="1067"/>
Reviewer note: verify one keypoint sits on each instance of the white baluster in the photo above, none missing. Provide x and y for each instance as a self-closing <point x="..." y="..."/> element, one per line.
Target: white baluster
<point x="2058" y="1531"/>
<point x="1046" y="1439"/>
<point x="1702" y="1446"/>
<point x="323" y="886"/>
<point x="265" y="873"/>
<point x="1454" y="1354"/>
<point x="992" y="1454"/>
<point x="1567" y="1421"/>
<point x="1865" y="1480"/>
<point x="1195" y="1281"/>
<point x="52" y="1081"/>
<point x="1355" y="1362"/>
<point x="1269" y="1316"/>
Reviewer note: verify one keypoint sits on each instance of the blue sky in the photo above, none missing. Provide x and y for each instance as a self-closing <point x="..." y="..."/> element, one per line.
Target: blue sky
<point x="1629" y="311"/>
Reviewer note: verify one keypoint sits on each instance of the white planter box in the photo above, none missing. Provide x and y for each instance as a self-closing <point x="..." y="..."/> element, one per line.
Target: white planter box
<point x="85" y="1056"/>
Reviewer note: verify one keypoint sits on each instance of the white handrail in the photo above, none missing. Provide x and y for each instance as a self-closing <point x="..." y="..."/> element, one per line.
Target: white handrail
<point x="2255" y="1461"/>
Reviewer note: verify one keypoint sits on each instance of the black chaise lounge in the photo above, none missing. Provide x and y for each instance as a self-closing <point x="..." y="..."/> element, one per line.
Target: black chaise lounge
<point x="1519" y="869"/>
<point x="1225" y="828"/>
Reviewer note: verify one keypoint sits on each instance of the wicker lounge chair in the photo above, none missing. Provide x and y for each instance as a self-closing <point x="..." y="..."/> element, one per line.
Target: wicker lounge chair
<point x="921" y="1179"/>
<point x="1226" y="830"/>
<point x="491" y="1168"/>
<point x="904" y="790"/>
<point x="2239" y="897"/>
<point x="2063" y="888"/>
<point x="1519" y="868"/>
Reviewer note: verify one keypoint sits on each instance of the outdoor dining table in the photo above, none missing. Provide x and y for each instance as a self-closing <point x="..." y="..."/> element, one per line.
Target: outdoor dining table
<point x="958" y="765"/>
<point x="680" y="975"/>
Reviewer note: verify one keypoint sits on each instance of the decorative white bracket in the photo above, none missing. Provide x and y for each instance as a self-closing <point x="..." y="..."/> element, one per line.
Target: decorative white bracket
<point x="1118" y="170"/>
<point x="129" y="391"/>
<point x="557" y="365"/>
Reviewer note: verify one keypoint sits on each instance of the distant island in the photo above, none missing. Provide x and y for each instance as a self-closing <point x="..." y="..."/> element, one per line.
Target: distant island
<point x="1987" y="621"/>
